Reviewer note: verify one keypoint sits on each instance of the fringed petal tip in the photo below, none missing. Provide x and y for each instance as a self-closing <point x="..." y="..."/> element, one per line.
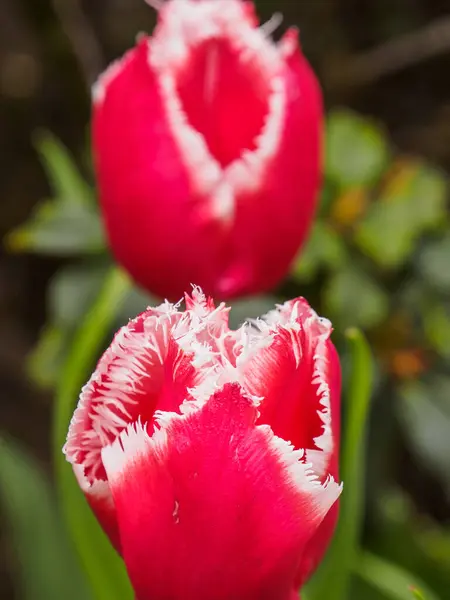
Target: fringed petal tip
<point x="213" y="465"/>
<point x="184" y="416"/>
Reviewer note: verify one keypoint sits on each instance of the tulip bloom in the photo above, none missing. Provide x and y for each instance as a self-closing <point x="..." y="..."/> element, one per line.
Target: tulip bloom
<point x="206" y="140"/>
<point x="209" y="455"/>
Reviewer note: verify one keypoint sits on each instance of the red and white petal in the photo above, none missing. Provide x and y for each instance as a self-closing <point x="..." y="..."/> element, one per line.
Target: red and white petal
<point x="318" y="544"/>
<point x="145" y="188"/>
<point x="151" y="365"/>
<point x="131" y="379"/>
<point x="214" y="64"/>
<point x="212" y="505"/>
<point x="316" y="547"/>
<point x="99" y="498"/>
<point x="197" y="130"/>
<point x="298" y="376"/>
<point x="263" y="246"/>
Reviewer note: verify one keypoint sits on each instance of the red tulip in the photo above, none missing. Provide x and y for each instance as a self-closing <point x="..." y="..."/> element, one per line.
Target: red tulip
<point x="207" y="141"/>
<point x="210" y="455"/>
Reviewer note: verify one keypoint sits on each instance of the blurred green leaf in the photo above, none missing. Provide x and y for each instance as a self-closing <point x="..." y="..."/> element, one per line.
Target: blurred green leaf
<point x="361" y="590"/>
<point x="327" y="197"/>
<point x="356" y="150"/>
<point x="434" y="264"/>
<point x="325" y="248"/>
<point x="69" y="223"/>
<point x="429" y="190"/>
<point x="47" y="357"/>
<point x="394" y="582"/>
<point x="46" y="561"/>
<point x="250" y="308"/>
<point x="424" y="411"/>
<point x="72" y="291"/>
<point x="68" y="184"/>
<point x="406" y="536"/>
<point x="410" y="204"/>
<point x="333" y="578"/>
<point x="60" y="229"/>
<point x="351" y="296"/>
<point x="417" y="594"/>
<point x="105" y="570"/>
<point x="436" y="323"/>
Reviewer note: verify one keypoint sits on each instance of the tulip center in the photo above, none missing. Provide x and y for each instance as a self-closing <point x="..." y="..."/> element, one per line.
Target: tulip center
<point x="225" y="95"/>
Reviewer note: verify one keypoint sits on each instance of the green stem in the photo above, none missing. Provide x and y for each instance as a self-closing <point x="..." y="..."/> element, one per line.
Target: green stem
<point x="333" y="578"/>
<point x="104" y="569"/>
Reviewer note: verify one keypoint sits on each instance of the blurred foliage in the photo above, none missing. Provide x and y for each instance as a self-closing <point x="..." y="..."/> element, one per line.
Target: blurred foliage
<point x="334" y="575"/>
<point x="104" y="569"/>
<point x="46" y="564"/>
<point x="377" y="259"/>
<point x="67" y="224"/>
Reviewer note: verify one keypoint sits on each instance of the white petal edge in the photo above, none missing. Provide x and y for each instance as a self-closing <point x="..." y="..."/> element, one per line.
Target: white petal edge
<point x="99" y="490"/>
<point x="183" y="25"/>
<point x="130" y="358"/>
<point x="134" y="443"/>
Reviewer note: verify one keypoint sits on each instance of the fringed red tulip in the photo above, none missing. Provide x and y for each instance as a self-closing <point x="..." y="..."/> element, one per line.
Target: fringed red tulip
<point x="210" y="455"/>
<point x="207" y="149"/>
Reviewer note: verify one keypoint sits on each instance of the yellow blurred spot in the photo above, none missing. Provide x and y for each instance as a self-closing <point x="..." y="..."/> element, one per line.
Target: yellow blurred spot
<point x="399" y="177"/>
<point x="16" y="241"/>
<point x="349" y="207"/>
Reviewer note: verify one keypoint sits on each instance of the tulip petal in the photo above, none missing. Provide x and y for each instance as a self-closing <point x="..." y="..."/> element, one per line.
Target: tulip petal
<point x="207" y="146"/>
<point x="99" y="498"/>
<point x="151" y="364"/>
<point x="276" y="217"/>
<point x="145" y="187"/>
<point x="226" y="506"/>
<point x="298" y="377"/>
<point x="318" y="544"/>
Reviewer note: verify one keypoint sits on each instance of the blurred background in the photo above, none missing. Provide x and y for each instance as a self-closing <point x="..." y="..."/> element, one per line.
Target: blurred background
<point x="378" y="256"/>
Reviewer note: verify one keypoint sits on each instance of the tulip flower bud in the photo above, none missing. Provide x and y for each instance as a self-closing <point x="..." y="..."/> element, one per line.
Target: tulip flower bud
<point x="206" y="141"/>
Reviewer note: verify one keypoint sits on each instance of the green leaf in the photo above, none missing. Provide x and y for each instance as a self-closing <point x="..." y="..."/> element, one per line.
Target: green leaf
<point x="424" y="411"/>
<point x="105" y="570"/>
<point x="67" y="183"/>
<point x="434" y="264"/>
<point x="411" y="204"/>
<point x="45" y="361"/>
<point x="69" y="223"/>
<point x="417" y="594"/>
<point x="394" y="582"/>
<point x="352" y="297"/>
<point x="250" y="308"/>
<point x="59" y="229"/>
<point x="46" y="561"/>
<point x="72" y="291"/>
<point x="429" y="190"/>
<point x="325" y="248"/>
<point x="356" y="150"/>
<point x="332" y="581"/>
<point x="406" y="536"/>
<point x="436" y="323"/>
